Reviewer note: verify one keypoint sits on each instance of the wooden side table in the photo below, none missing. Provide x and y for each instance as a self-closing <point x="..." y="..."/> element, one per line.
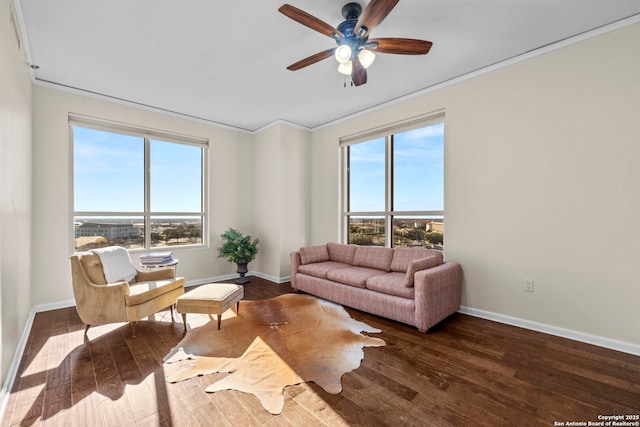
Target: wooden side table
<point x="171" y="264"/>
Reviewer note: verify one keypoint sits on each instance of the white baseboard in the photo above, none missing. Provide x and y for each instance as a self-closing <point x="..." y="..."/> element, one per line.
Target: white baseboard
<point x="271" y="278"/>
<point x="232" y="277"/>
<point x="206" y="280"/>
<point x="12" y="372"/>
<point x="623" y="346"/>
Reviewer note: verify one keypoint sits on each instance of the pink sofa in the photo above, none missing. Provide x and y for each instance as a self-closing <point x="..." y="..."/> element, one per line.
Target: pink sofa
<point x="411" y="285"/>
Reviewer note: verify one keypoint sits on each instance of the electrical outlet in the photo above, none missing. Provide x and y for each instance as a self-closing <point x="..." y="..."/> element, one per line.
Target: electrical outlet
<point x="528" y="285"/>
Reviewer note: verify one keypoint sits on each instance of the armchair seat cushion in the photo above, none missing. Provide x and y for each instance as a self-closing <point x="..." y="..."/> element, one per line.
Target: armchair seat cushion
<point x="145" y="291"/>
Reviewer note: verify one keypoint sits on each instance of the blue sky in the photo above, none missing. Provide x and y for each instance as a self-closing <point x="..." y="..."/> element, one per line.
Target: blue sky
<point x="418" y="172"/>
<point x="109" y="174"/>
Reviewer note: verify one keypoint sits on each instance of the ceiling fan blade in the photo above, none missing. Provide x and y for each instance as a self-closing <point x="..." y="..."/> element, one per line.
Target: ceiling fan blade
<point x="373" y="14"/>
<point x="358" y="73"/>
<point x="310" y="21"/>
<point x="312" y="59"/>
<point x="401" y="46"/>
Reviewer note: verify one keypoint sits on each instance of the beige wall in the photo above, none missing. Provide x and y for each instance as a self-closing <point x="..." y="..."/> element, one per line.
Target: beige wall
<point x="281" y="196"/>
<point x="537" y="154"/>
<point x="15" y="191"/>
<point x="230" y="185"/>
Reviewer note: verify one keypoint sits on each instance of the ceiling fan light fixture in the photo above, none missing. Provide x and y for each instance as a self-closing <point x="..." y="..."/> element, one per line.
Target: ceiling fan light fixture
<point x="345" y="68"/>
<point x="343" y="54"/>
<point x="352" y="38"/>
<point x="366" y="58"/>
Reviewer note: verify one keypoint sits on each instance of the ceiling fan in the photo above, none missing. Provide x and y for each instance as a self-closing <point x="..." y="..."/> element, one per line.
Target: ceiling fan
<point x="355" y="50"/>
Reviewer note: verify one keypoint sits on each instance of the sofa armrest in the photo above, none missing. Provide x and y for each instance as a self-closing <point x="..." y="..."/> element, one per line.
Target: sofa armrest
<point x="437" y="293"/>
<point x="295" y="264"/>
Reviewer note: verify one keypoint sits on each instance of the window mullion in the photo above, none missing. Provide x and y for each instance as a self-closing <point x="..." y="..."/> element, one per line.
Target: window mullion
<point x="147" y="193"/>
<point x="388" y="229"/>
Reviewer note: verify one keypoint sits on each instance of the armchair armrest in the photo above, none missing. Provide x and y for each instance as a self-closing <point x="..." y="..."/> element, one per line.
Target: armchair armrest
<point x="159" y="274"/>
<point x="100" y="304"/>
<point x="437" y="293"/>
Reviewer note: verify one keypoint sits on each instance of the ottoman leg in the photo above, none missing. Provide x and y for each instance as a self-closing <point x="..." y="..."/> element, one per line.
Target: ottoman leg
<point x="184" y="320"/>
<point x="219" y="320"/>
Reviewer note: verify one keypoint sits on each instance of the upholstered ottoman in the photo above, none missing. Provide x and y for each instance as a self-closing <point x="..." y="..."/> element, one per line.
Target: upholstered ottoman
<point x="212" y="298"/>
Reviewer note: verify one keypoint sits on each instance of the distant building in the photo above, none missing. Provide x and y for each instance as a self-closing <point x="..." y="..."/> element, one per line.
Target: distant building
<point x="110" y="231"/>
<point x="436" y="226"/>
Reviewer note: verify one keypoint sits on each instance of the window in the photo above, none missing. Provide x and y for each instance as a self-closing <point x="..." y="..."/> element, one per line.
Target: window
<point x="136" y="188"/>
<point x="394" y="186"/>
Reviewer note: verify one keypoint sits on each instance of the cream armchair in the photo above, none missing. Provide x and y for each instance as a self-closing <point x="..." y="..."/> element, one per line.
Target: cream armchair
<point x="99" y="303"/>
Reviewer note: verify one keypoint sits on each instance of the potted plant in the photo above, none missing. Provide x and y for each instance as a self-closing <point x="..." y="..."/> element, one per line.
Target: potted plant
<point x="239" y="249"/>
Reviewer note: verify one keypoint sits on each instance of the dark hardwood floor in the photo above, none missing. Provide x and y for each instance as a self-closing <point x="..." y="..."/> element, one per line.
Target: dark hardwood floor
<point x="465" y="372"/>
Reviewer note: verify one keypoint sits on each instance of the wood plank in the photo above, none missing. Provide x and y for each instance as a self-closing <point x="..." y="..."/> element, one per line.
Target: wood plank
<point x="465" y="371"/>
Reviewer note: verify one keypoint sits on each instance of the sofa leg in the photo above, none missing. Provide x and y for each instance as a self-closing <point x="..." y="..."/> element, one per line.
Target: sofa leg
<point x="133" y="329"/>
<point x="172" y="307"/>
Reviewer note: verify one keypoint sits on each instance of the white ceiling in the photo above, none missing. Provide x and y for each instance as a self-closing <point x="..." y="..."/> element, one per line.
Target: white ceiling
<point x="225" y="62"/>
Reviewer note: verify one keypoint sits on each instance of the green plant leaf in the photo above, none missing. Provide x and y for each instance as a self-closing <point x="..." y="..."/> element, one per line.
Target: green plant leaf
<point x="238" y="248"/>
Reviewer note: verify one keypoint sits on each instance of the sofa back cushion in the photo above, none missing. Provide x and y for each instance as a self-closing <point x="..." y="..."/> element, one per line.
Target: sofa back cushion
<point x="403" y="256"/>
<point x="417" y="265"/>
<point x="373" y="257"/>
<point x="311" y="254"/>
<point x="341" y="253"/>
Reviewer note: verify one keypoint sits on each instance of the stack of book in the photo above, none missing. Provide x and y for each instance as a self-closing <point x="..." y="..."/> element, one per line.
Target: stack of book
<point x="157" y="258"/>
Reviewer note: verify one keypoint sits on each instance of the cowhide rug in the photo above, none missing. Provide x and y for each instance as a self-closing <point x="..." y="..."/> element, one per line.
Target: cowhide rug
<point x="274" y="343"/>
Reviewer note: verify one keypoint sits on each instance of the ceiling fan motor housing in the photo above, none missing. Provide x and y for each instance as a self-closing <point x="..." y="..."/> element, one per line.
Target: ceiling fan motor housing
<point x="351" y="12"/>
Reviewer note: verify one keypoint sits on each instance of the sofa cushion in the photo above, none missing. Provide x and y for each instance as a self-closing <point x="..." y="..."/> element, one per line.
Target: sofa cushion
<point x="341" y="253"/>
<point x="391" y="284"/>
<point x="320" y="269"/>
<point x="373" y="257"/>
<point x="403" y="256"/>
<point x="311" y="254"/>
<point x="417" y="265"/>
<point x="353" y="276"/>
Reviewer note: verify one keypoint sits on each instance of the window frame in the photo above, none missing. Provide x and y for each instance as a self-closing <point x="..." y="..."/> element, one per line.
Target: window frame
<point x="387" y="132"/>
<point x="149" y="135"/>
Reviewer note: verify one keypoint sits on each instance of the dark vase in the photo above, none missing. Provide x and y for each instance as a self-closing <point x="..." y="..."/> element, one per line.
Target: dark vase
<point x="242" y="270"/>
